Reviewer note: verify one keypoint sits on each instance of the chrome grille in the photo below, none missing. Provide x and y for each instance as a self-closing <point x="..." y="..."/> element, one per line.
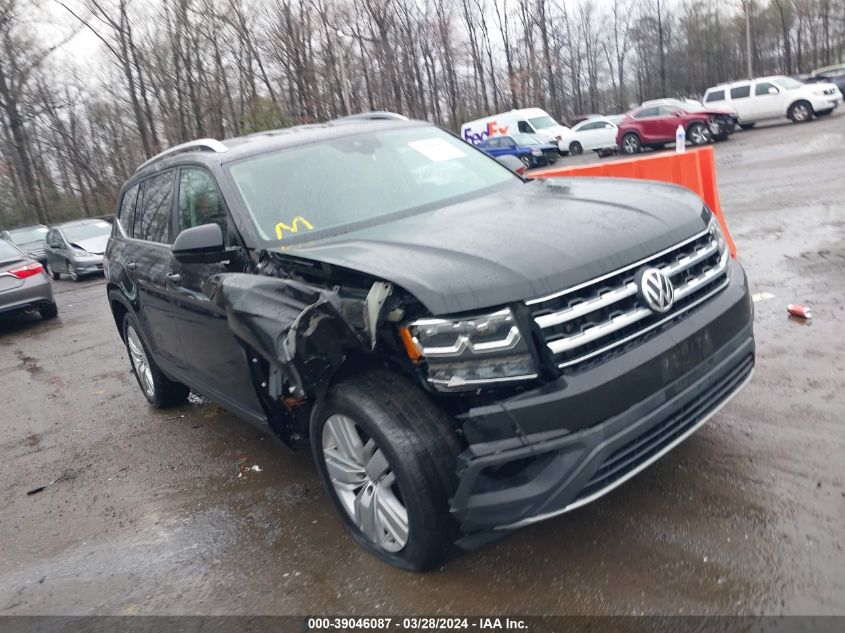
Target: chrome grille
<point x="606" y="315"/>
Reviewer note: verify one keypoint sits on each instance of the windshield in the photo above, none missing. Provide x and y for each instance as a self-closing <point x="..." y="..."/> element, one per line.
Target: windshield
<point x="525" y="139"/>
<point x="788" y="83"/>
<point x="334" y="186"/>
<point x="28" y="235"/>
<point x="80" y="232"/>
<point x="542" y="122"/>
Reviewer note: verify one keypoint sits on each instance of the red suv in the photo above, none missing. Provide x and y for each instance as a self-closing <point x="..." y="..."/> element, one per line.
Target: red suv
<point x="655" y="125"/>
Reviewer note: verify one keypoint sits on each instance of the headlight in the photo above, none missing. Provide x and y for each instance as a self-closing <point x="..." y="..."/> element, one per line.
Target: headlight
<point x="537" y="152"/>
<point x="470" y="352"/>
<point x="716" y="231"/>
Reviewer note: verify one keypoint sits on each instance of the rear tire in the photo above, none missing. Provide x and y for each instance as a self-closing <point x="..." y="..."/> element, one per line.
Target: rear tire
<point x="398" y="509"/>
<point x="575" y="148"/>
<point x="158" y="389"/>
<point x="48" y="311"/>
<point x="631" y="144"/>
<point x="800" y="112"/>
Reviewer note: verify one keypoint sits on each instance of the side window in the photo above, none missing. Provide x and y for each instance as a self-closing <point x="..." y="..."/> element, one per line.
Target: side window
<point x="524" y="127"/>
<point x="716" y="95"/>
<point x="152" y="221"/>
<point x="491" y="143"/>
<point x="126" y="212"/>
<point x="740" y="92"/>
<point x="199" y="200"/>
<point x="592" y="126"/>
<point x="507" y="141"/>
<point x="646" y="112"/>
<point x="762" y="88"/>
<point x="667" y="110"/>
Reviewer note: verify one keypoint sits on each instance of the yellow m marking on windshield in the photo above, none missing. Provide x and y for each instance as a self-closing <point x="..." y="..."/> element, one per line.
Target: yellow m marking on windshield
<point x="298" y="221"/>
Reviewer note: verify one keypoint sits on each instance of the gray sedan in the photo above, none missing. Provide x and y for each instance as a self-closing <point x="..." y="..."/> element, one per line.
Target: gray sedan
<point x="76" y="248"/>
<point x="30" y="239"/>
<point x="24" y="284"/>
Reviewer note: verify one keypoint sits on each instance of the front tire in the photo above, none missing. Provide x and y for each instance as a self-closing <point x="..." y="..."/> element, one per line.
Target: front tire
<point x="56" y="276"/>
<point x="158" y="389"/>
<point x="800" y="112"/>
<point x="631" y="144"/>
<point x="575" y="148"/>
<point x="72" y="272"/>
<point x="386" y="455"/>
<point x="699" y="134"/>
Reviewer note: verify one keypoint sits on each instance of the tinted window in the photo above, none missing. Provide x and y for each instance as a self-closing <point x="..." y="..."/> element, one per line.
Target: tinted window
<point x="524" y="127"/>
<point x="199" y="201"/>
<point x="593" y="126"/>
<point x="152" y="221"/>
<point x="740" y="92"/>
<point x="716" y="95"/>
<point x="126" y="213"/>
<point x="667" y="110"/>
<point x="53" y="239"/>
<point x="646" y="112"/>
<point x="763" y="88"/>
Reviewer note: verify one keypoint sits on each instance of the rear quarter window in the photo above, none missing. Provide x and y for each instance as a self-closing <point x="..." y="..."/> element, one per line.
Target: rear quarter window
<point x="716" y="95"/>
<point x="126" y="211"/>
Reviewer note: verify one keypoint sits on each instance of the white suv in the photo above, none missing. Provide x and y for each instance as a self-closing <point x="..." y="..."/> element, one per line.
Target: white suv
<point x="773" y="98"/>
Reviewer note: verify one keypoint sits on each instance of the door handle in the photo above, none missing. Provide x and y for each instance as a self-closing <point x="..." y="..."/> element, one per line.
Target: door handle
<point x="174" y="277"/>
<point x="131" y="266"/>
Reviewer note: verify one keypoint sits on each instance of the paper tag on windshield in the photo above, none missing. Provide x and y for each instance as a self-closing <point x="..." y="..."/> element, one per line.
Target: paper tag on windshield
<point x="437" y="149"/>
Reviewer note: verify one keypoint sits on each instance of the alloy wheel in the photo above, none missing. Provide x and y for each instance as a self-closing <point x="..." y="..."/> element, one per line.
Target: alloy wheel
<point x="800" y="112"/>
<point x="630" y="144"/>
<point x="139" y="361"/>
<point x="71" y="269"/>
<point x="365" y="483"/>
<point x="699" y="135"/>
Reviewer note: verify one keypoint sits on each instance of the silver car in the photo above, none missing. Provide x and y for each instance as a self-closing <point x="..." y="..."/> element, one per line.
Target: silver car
<point x="24" y="284"/>
<point x="30" y="239"/>
<point x="76" y="248"/>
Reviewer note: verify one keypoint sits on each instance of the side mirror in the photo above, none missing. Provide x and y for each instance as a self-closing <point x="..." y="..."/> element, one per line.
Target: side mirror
<point x="678" y="113"/>
<point x="773" y="90"/>
<point x="200" y="244"/>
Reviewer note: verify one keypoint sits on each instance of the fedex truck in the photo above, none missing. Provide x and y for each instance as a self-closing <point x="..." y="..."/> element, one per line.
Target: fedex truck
<point x="527" y="120"/>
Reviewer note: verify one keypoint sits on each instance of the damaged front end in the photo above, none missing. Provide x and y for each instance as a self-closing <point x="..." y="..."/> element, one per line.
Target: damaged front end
<point x="298" y="334"/>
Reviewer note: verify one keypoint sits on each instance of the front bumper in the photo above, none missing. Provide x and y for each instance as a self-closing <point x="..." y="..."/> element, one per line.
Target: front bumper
<point x="824" y="103"/>
<point x="586" y="434"/>
<point x="87" y="265"/>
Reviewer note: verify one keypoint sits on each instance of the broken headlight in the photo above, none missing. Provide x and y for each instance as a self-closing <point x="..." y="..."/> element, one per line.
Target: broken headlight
<point x="472" y="352"/>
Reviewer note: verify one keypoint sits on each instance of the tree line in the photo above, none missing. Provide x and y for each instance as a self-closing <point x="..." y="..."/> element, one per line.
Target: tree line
<point x="74" y="126"/>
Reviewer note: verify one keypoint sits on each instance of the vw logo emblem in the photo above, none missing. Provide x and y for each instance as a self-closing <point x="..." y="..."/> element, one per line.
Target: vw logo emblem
<point x="656" y="289"/>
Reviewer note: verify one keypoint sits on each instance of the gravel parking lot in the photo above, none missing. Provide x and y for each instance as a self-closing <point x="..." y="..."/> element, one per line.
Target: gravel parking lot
<point x="149" y="515"/>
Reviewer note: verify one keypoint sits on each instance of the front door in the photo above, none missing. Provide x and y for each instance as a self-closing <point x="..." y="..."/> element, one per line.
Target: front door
<point x="214" y="358"/>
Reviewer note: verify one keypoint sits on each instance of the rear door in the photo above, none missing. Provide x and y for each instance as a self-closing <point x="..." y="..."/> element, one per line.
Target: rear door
<point x="147" y="260"/>
<point x="214" y="358"/>
<point x="648" y="120"/>
<point x="742" y="102"/>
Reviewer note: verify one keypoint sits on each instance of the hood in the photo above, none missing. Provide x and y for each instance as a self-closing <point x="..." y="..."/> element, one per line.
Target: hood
<point x="525" y="242"/>
<point x="95" y="245"/>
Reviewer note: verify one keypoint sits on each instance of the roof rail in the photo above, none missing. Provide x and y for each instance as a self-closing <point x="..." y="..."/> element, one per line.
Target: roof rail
<point x="376" y="115"/>
<point x="202" y="144"/>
